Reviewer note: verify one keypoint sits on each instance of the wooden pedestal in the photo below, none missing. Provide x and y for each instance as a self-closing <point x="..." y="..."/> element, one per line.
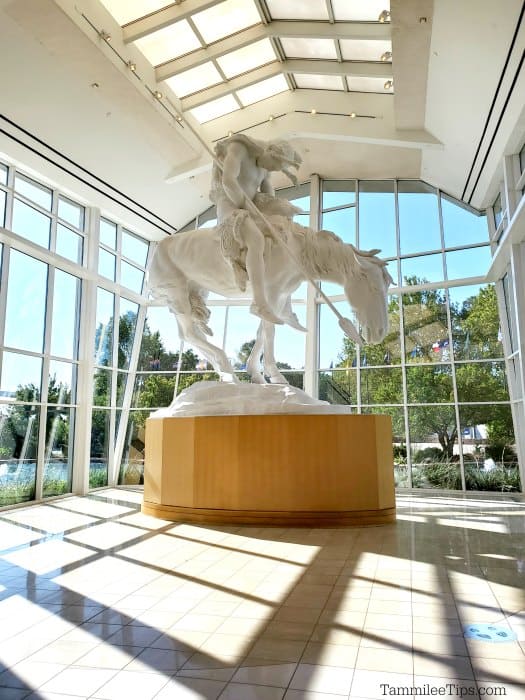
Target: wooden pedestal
<point x="294" y="470"/>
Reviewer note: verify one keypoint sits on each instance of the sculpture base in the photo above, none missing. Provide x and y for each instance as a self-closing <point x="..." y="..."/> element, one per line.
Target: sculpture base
<point x="291" y="470"/>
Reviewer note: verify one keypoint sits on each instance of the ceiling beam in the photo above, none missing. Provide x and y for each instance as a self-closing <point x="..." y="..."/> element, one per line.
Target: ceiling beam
<point x="299" y="66"/>
<point x="163" y="18"/>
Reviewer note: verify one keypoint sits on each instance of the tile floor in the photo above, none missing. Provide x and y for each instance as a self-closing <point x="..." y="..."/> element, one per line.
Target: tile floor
<point x="100" y="601"/>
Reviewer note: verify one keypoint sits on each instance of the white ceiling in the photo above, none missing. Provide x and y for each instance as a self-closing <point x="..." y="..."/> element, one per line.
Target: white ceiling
<point x="66" y="85"/>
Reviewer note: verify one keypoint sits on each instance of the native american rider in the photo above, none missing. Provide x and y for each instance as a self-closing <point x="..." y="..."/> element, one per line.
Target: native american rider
<point x="244" y="174"/>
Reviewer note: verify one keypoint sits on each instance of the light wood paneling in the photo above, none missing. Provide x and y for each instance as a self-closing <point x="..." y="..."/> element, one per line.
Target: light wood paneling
<point x="326" y="469"/>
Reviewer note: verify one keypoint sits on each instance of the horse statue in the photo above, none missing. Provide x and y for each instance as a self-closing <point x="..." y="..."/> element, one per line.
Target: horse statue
<point x="187" y="266"/>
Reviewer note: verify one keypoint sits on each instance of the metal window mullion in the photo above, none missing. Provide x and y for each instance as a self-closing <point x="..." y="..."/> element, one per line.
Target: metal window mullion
<point x="511" y="175"/>
<point x="518" y="312"/>
<point x="128" y="394"/>
<point x="451" y="345"/>
<point x="113" y="392"/>
<point x="402" y="345"/>
<point x="357" y="347"/>
<point x="8" y="220"/>
<point x="86" y="361"/>
<point x="6" y="254"/>
<point x="44" y="384"/>
<point x="311" y="364"/>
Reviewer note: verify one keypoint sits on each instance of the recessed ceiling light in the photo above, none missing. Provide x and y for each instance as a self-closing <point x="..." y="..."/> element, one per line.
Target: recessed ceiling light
<point x="422" y="20"/>
<point x="352" y="115"/>
<point x="158" y="95"/>
<point x="389" y="84"/>
<point x="387" y="56"/>
<point x="313" y="111"/>
<point x="384" y="16"/>
<point x="271" y="118"/>
<point x="132" y="66"/>
<point x="104" y="35"/>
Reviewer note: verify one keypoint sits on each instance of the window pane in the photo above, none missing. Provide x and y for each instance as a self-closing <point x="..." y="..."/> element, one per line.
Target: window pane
<point x="69" y="244"/>
<point x="424" y="268"/>
<point x="160" y="340"/>
<point x="31" y="224"/>
<point x="242" y="329"/>
<point x="433" y="446"/>
<point x="134" y="248"/>
<point x="102" y="387"/>
<point x="338" y="387"/>
<point x="377" y="217"/>
<point x="58" y="463"/>
<point x="127" y="324"/>
<point x="71" y="212"/>
<point x="64" y="331"/>
<point x="397" y="416"/>
<point x="290" y="343"/>
<point x="21" y="376"/>
<point x="2" y="208"/>
<point x="426" y="327"/>
<point x="481" y="381"/>
<point x="497" y="210"/>
<point x="108" y="233"/>
<point x="3" y="174"/>
<point x="383" y="385"/>
<point x="121" y="386"/>
<point x="489" y="448"/>
<point x="131" y="277"/>
<point x="387" y="352"/>
<point x="153" y="390"/>
<point x="104" y="328"/>
<point x="472" y="262"/>
<point x="475" y="323"/>
<point x="132" y="466"/>
<point x="106" y="264"/>
<point x="335" y="349"/>
<point x="462" y="226"/>
<point x="522" y="159"/>
<point x="338" y="192"/>
<point x="98" y="466"/>
<point x="34" y="191"/>
<point x="418" y="217"/>
<point x="18" y="450"/>
<point x="429" y="384"/>
<point x="62" y="380"/>
<point x="26" y="302"/>
<point x="342" y="223"/>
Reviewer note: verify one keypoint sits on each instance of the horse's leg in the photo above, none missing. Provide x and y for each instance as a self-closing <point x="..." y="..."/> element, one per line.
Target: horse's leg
<point x="193" y="335"/>
<point x="253" y="364"/>
<point x="255" y="243"/>
<point x="270" y="366"/>
<point x="289" y="317"/>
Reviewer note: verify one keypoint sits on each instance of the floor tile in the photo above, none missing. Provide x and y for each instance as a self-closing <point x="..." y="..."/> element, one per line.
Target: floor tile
<point x="243" y="691"/>
<point x="129" y="684"/>
<point x="329" y="679"/>
<point x="72" y="679"/>
<point x="263" y="672"/>
<point x="190" y="689"/>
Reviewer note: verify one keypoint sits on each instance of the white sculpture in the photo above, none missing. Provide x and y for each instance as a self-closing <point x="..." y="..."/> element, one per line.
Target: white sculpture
<point x="256" y="251"/>
<point x="226" y="399"/>
<point x="188" y="265"/>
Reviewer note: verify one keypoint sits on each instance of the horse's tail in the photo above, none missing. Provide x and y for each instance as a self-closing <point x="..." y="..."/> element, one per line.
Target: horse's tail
<point x="199" y="311"/>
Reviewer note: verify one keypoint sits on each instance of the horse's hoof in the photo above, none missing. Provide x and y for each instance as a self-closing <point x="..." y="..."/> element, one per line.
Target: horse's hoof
<point x="265" y="313"/>
<point x="293" y="322"/>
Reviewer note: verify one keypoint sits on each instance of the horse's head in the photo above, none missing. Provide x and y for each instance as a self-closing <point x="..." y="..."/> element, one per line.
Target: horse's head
<point x="366" y="288"/>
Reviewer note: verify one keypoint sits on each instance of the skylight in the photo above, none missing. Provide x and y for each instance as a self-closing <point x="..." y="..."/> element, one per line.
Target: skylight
<point x="297" y="9"/>
<point x="247" y="58"/>
<point x="319" y="82"/>
<point x="125" y="11"/>
<point x="226" y="18"/>
<point x="309" y="48"/>
<point x="195" y="79"/>
<point x="216" y="108"/>
<point x="359" y="10"/>
<point x="171" y="42"/>
<point x="359" y="84"/>
<point x="262" y="90"/>
<point x="361" y="50"/>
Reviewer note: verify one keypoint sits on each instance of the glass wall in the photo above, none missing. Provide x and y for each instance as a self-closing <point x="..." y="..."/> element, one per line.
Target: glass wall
<point x="439" y="373"/>
<point x="45" y="303"/>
